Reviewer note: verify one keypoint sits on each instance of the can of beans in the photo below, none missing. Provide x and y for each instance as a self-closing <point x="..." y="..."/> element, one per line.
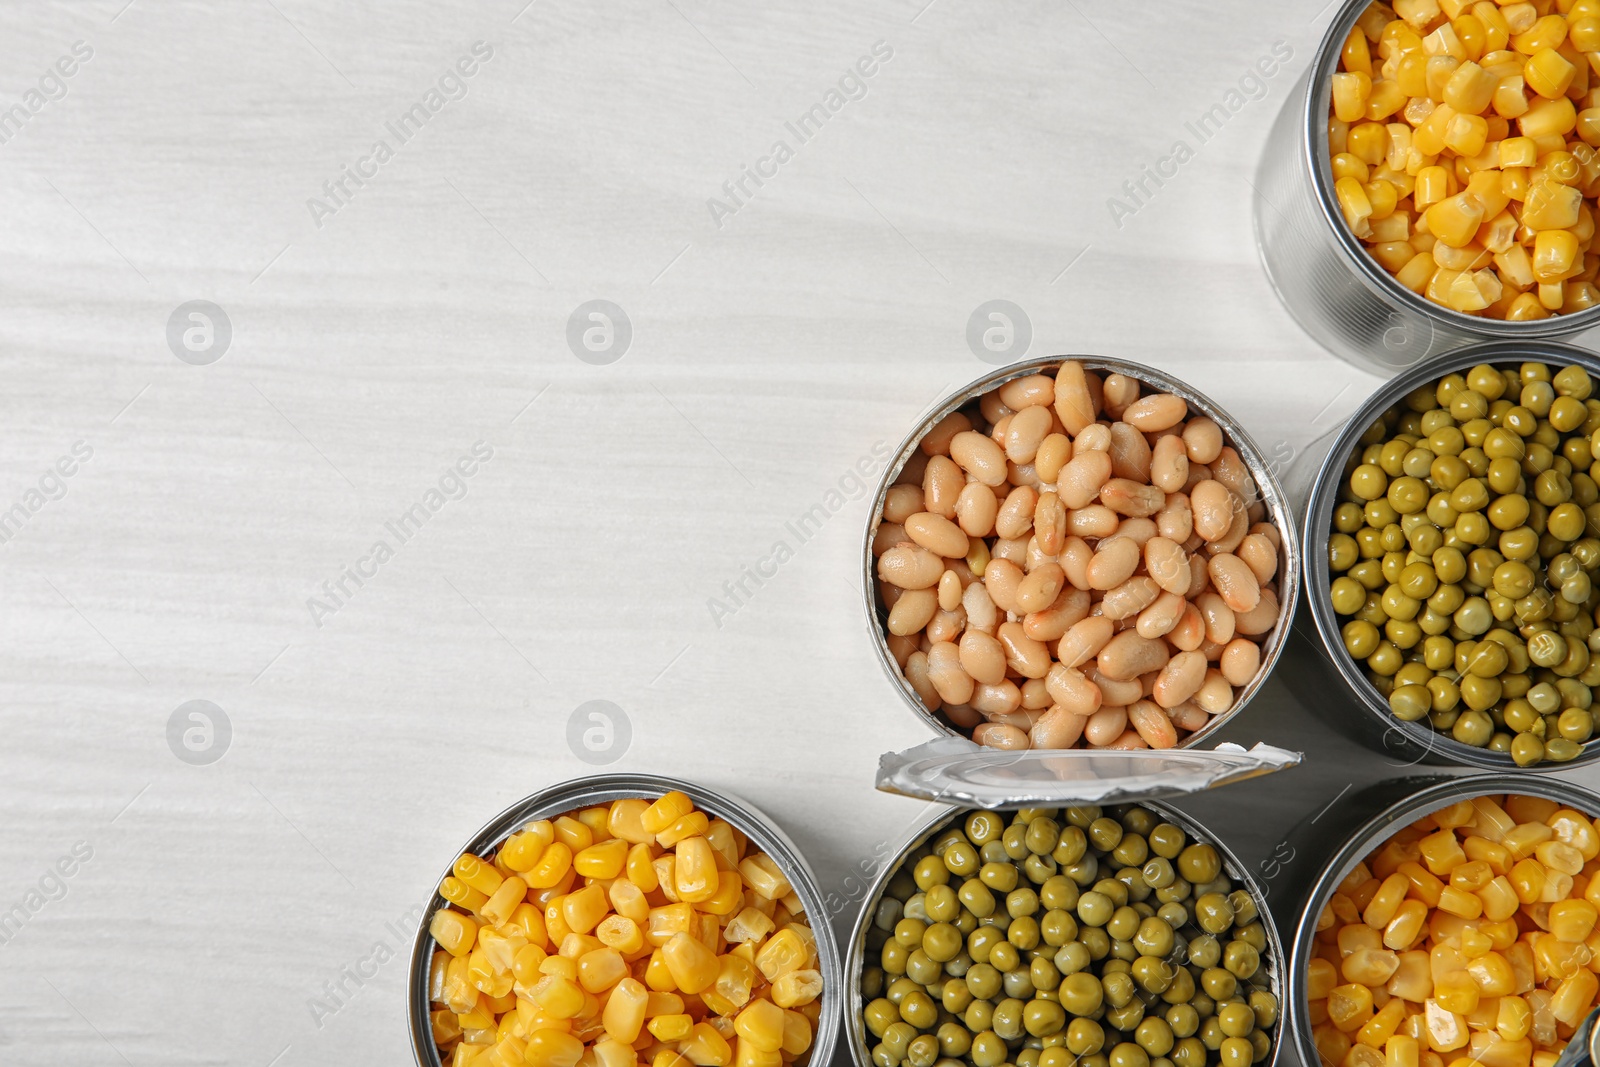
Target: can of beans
<point x="1415" y="741"/>
<point x="1253" y="499"/>
<point x="572" y="796"/>
<point x="1341" y="296"/>
<point x="1361" y="824"/>
<point x="1050" y="920"/>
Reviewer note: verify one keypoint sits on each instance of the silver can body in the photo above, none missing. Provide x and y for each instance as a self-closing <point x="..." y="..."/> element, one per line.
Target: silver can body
<point x="1278" y="506"/>
<point x="1415" y="742"/>
<point x="1362" y="823"/>
<point x="1273" y="963"/>
<point x="1326" y="279"/>
<point x="602" y="789"/>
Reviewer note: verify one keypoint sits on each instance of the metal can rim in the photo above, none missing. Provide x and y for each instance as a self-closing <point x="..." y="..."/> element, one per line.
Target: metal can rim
<point x="1278" y="507"/>
<point x="576" y="793"/>
<point x="1319" y="518"/>
<point x="1315" y="158"/>
<point x="1371" y="835"/>
<point x="854" y="961"/>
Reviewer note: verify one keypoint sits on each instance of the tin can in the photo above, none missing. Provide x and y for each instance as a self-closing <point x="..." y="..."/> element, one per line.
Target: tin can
<point x="1325" y="277"/>
<point x="857" y="958"/>
<point x="1413" y="742"/>
<point x="1271" y="494"/>
<point x="1363" y="822"/>
<point x="603" y="789"/>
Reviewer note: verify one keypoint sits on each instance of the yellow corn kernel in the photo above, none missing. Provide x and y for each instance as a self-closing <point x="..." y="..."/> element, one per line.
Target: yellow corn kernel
<point x="1350" y="93"/>
<point x="1386" y="901"/>
<point x="1518" y="152"/>
<point x="695" y="870"/>
<point x="1401" y="1051"/>
<point x="523" y="848"/>
<point x="749" y="925"/>
<point x="1548" y="118"/>
<point x="1369" y="966"/>
<point x="1470" y="89"/>
<point x="1350" y="1006"/>
<point x="1441" y="852"/>
<point x="641" y="869"/>
<point x="582" y="910"/>
<point x="669" y="1058"/>
<point x="736" y="978"/>
<point x="800" y="987"/>
<point x="1524" y="837"/>
<point x="461" y="894"/>
<point x="551" y="868"/>
<point x="610" y="1052"/>
<point x="1456" y="992"/>
<point x="762" y="874"/>
<point x="1455" y="221"/>
<point x="481" y="975"/>
<point x="1572" y="828"/>
<point x="670" y="1027"/>
<point x="601" y="969"/>
<point x="1429" y="136"/>
<point x="1445" y="1029"/>
<point x="628" y="900"/>
<point x="498" y="908"/>
<point x="761" y="1024"/>
<point x="623" y="1016"/>
<point x="666" y="878"/>
<point x="1321" y="977"/>
<point x="1349" y="165"/>
<point x="1527" y="879"/>
<point x="526" y="963"/>
<point x="1471" y="876"/>
<point x="1393" y="255"/>
<point x="1403" y="930"/>
<point x="552" y="1048"/>
<point x="666" y="922"/>
<point x="1555" y="855"/>
<point x="1492" y="1050"/>
<point x="1513" y="1019"/>
<point x="1492" y="974"/>
<point x="459" y="994"/>
<point x="1548" y="74"/>
<point x="621" y="933"/>
<point x="783" y="952"/>
<point x="1433" y="184"/>
<point x="693" y="966"/>
<point x="1460" y="903"/>
<point x="657" y="976"/>
<point x="1384" y="100"/>
<point x="576" y="835"/>
<point x="727" y="897"/>
<point x="1466" y="135"/>
<point x="1548" y="32"/>
<point x="1526" y="308"/>
<point x="796" y="1034"/>
<point x="478" y="874"/>
<point x="705" y="1047"/>
<point x="555" y="924"/>
<point x="556" y="996"/>
<point x="1574" y="997"/>
<point x="693" y="824"/>
<point x="603" y="860"/>
<point x="1557" y="883"/>
<point x="1368" y="142"/>
<point x="1474" y="942"/>
<point x="1417" y="275"/>
<point x="454" y="931"/>
<point x="666" y="811"/>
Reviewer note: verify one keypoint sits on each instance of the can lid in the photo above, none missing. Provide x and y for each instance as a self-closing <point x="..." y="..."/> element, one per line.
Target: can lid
<point x="954" y="770"/>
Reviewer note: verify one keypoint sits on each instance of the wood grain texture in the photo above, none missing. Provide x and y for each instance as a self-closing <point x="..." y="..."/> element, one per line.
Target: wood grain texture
<point x="430" y="312"/>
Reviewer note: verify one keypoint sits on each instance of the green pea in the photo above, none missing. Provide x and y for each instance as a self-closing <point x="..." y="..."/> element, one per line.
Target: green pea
<point x="976" y="898"/>
<point x="988" y="1049"/>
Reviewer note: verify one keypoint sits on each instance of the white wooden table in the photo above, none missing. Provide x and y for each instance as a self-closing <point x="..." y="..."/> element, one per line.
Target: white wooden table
<point x="933" y="160"/>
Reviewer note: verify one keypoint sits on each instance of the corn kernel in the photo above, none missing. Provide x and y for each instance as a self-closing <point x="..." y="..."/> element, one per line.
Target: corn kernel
<point x="666" y="811"/>
<point x="552" y="1048"/>
<point x="1350" y="1006"/>
<point x="454" y="931"/>
<point x="1401" y="1051"/>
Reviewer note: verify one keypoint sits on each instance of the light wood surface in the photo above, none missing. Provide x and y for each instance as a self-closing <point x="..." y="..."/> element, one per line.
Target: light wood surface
<point x="428" y="312"/>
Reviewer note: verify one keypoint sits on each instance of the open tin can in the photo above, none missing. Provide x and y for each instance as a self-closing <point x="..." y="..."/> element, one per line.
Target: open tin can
<point x="572" y="796"/>
<point x="1270" y="498"/>
<point x="1325" y="277"/>
<point x="1360" y="824"/>
<point x="1374" y="722"/>
<point x="957" y="772"/>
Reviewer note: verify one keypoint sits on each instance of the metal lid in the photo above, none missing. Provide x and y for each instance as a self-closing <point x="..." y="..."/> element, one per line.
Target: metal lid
<point x="954" y="770"/>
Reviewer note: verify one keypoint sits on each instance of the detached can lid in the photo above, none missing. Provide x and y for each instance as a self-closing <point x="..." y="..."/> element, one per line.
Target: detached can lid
<point x="954" y="770"/>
